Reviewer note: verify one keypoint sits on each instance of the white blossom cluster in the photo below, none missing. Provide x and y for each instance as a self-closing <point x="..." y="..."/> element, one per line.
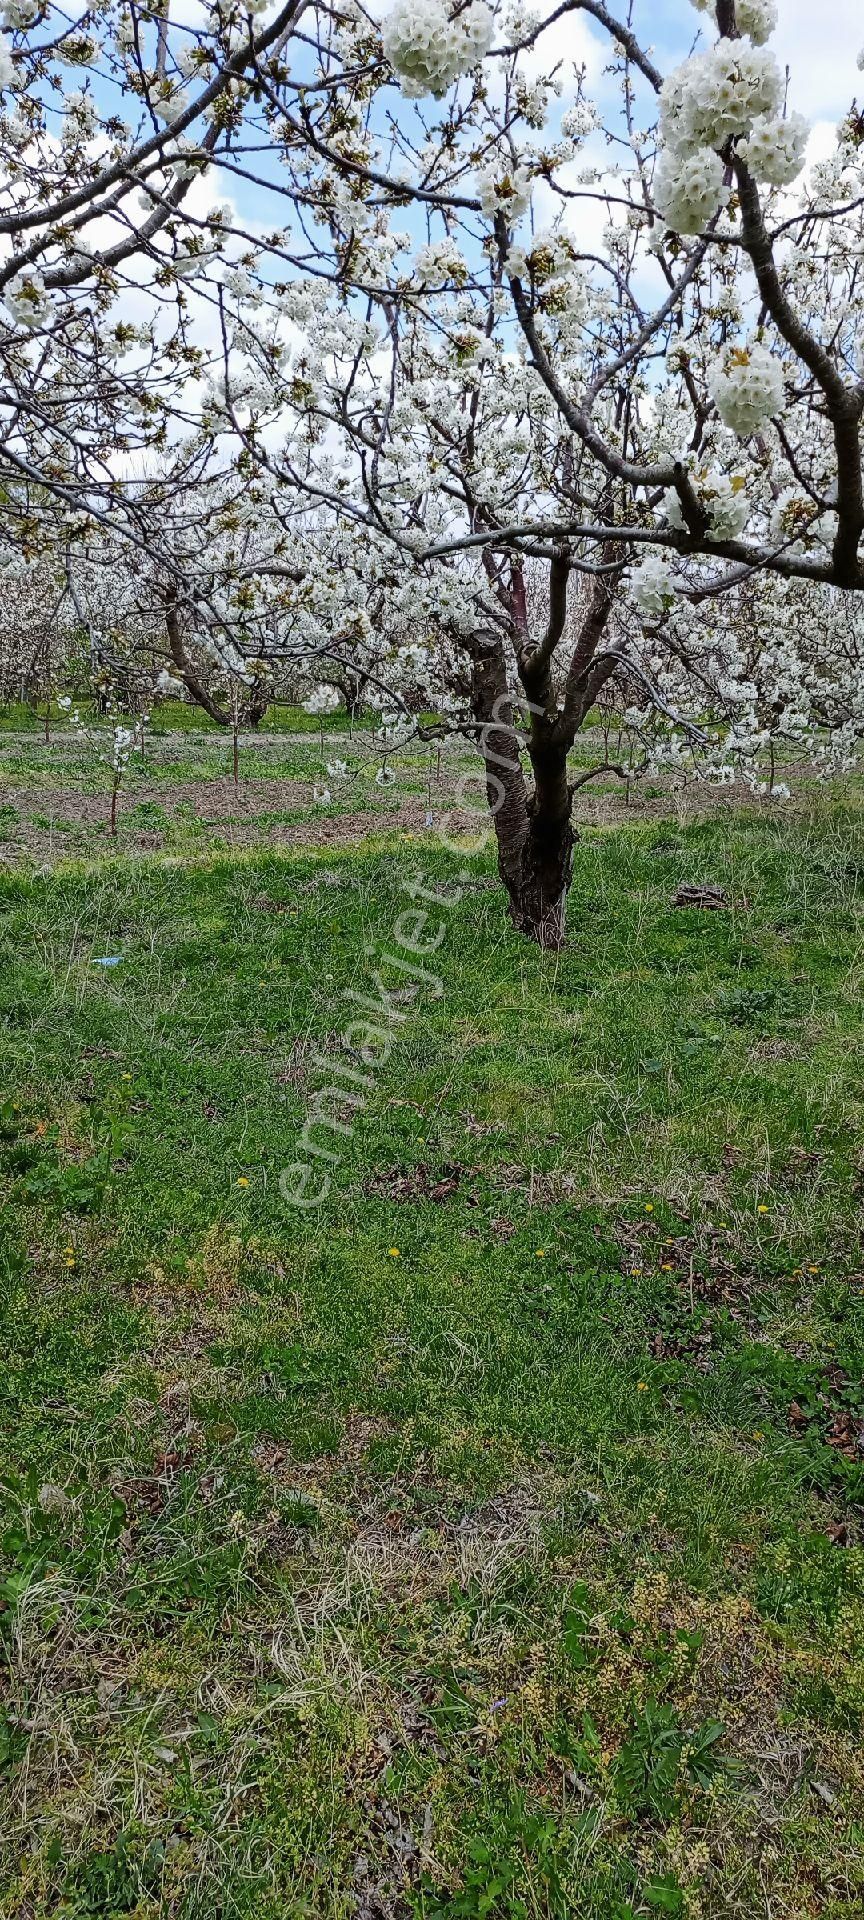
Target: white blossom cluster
<point x="428" y="49"/>
<point x="733" y="92"/>
<point x="123" y="742"/>
<point x="321" y="700"/>
<point x="504" y="190"/>
<point x="724" y="499"/>
<point x="756" y="18"/>
<point x="652" y="587"/>
<point x="440" y="263"/>
<point x="774" y="149"/>
<point x="26" y="299"/>
<point x="716" y="96"/>
<point x="689" y="188"/>
<point x="760" y="675"/>
<point x="168" y="687"/>
<point x="746" y="385"/>
<point x="20" y="13"/>
<point x="797" y="523"/>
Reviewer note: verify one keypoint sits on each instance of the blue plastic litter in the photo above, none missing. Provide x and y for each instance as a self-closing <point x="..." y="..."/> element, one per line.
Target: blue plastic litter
<point x="107" y="960"/>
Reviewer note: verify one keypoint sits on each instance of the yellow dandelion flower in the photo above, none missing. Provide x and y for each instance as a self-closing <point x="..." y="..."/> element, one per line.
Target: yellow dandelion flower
<point x="242" y="1182"/>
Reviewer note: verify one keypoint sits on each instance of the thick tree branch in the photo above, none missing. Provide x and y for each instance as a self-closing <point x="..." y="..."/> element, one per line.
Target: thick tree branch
<point x="843" y="401"/>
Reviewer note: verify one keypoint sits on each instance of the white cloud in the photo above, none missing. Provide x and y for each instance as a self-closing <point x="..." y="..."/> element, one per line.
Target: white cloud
<point x="820" y="45"/>
<point x="568" y="43"/>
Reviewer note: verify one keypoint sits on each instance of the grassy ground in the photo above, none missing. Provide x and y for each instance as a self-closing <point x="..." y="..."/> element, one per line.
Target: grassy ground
<point x="171" y="717"/>
<point x="178" y="795"/>
<point x="487" y="1540"/>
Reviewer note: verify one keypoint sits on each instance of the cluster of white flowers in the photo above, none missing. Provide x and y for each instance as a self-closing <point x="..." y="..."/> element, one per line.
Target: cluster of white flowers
<point x="652" y="587"/>
<point x="167" y="687"/>
<point x="796" y="519"/>
<point x="733" y="92"/>
<point x="26" y="300"/>
<point x="774" y="148"/>
<point x="724" y="499"/>
<point x="717" y="95"/>
<point x="504" y="191"/>
<point x="168" y="106"/>
<point x="746" y="385"/>
<point x="428" y="50"/>
<point x="80" y="121"/>
<point x="321" y="700"/>
<point x="193" y="258"/>
<point x="579" y="120"/>
<point x="688" y="188"/>
<point x="440" y="263"/>
<point x="757" y="18"/>
<point x="19" y="13"/>
<point x="124" y="741"/>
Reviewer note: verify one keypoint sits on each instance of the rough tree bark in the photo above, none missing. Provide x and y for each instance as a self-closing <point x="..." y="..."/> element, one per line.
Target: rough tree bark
<point x="533" y="829"/>
<point x="255" y="707"/>
<point x="533" y="825"/>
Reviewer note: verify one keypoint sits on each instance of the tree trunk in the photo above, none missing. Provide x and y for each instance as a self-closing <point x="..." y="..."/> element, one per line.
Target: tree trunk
<point x="538" y="904"/>
<point x="533" y="831"/>
<point x="194" y="685"/>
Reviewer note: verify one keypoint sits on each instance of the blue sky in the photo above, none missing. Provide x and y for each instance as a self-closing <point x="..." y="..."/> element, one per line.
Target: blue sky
<point x="820" y="45"/>
<point x="819" y="42"/>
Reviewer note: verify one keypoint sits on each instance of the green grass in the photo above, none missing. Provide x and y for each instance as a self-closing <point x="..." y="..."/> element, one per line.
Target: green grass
<point x="486" y="1541"/>
<point x="178" y="716"/>
<point x="186" y="753"/>
<point x="172" y="716"/>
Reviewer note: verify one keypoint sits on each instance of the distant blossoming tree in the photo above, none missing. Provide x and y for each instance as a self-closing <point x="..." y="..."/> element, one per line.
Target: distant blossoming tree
<point x="570" y="373"/>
